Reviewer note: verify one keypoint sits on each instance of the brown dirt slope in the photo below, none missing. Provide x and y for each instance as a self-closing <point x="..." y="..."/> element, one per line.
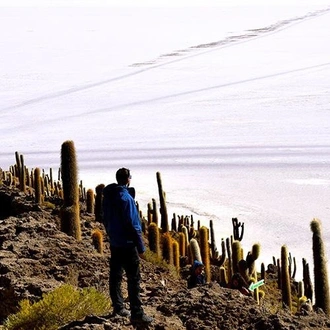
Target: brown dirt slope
<point x="36" y="257"/>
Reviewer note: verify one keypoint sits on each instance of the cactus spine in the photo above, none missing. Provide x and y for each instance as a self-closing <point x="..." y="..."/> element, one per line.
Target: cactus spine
<point x="321" y="281"/>
<point x="286" y="283"/>
<point x="70" y="217"/>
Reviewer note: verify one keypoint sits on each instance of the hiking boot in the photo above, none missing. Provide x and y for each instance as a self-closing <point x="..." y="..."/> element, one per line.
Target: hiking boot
<point x="122" y="312"/>
<point x="141" y="319"/>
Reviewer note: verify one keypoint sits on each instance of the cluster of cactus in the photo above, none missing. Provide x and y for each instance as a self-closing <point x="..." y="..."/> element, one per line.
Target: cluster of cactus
<point x="237" y="264"/>
<point x="197" y="243"/>
<point x="286" y="268"/>
<point x="183" y="242"/>
<point x="34" y="182"/>
<point x="152" y="213"/>
<point x="44" y="190"/>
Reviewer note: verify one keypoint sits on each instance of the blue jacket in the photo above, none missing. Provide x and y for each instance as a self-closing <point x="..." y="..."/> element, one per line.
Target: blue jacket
<point x="121" y="218"/>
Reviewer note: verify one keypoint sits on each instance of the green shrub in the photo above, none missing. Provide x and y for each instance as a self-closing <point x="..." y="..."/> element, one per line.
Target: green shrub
<point x="156" y="260"/>
<point x="57" y="308"/>
<point x="48" y="205"/>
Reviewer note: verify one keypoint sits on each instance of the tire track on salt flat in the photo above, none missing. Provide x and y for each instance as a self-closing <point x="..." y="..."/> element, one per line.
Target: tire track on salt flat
<point x="194" y="91"/>
<point x="213" y="46"/>
<point x="165" y="97"/>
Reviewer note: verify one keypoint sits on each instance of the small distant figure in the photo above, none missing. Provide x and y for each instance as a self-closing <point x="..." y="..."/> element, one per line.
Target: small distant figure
<point x="197" y="276"/>
<point x="238" y="283"/>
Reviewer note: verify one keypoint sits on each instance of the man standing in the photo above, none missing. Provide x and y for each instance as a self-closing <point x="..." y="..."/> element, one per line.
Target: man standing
<point x="123" y="226"/>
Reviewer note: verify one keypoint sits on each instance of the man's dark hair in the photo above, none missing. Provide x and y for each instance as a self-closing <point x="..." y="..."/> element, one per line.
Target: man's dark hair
<point x="122" y="175"/>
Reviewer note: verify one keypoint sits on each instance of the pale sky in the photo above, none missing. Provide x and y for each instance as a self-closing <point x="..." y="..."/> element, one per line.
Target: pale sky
<point x="157" y="3"/>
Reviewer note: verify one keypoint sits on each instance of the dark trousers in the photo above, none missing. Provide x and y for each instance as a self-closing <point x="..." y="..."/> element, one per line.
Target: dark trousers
<point x="125" y="259"/>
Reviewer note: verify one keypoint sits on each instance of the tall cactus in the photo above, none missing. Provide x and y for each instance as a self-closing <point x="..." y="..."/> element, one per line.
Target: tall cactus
<point x="154" y="240"/>
<point x="182" y="244"/>
<point x="244" y="270"/>
<point x="173" y="223"/>
<point x="154" y="212"/>
<point x="213" y="244"/>
<point x="176" y="255"/>
<point x="230" y="259"/>
<point x="236" y="227"/>
<point x="221" y="260"/>
<point x="90" y="201"/>
<point x="263" y="271"/>
<point x="70" y="217"/>
<point x="279" y="272"/>
<point x="286" y="283"/>
<point x="51" y="180"/>
<point x="149" y="213"/>
<point x="195" y="250"/>
<point x="223" y="276"/>
<point x="21" y="171"/>
<point x="205" y="251"/>
<point x="321" y="281"/>
<point x="308" y="287"/>
<point x="163" y="208"/>
<point x="37" y="186"/>
<point x="185" y="232"/>
<point x="98" y="202"/>
<point x="167" y="248"/>
<point x="236" y="255"/>
<point x="252" y="257"/>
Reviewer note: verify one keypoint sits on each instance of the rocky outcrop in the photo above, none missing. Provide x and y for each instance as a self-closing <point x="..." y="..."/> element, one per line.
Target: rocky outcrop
<point x="35" y="256"/>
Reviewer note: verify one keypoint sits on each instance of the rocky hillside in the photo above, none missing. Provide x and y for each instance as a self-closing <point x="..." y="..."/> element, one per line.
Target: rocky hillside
<point x="36" y="257"/>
